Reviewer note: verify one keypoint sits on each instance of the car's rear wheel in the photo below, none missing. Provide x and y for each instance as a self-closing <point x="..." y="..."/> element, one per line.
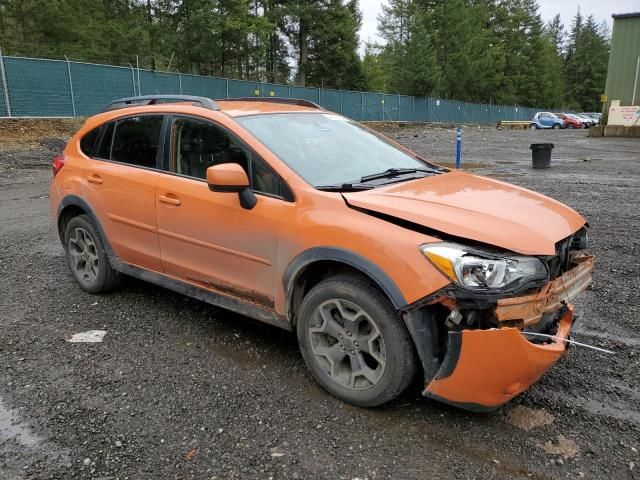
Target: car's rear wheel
<point x="353" y="341"/>
<point x="556" y="126"/>
<point x="87" y="257"/>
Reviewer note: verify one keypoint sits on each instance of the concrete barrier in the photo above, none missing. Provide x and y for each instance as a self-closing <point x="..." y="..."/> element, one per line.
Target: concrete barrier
<point x="615" y="131"/>
<point x="596" y="131"/>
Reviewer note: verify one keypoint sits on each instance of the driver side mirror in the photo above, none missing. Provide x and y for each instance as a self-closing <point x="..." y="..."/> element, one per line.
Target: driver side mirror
<point x="231" y="178"/>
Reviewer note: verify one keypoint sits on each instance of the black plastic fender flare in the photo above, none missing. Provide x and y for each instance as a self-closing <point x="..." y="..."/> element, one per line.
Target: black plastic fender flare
<point x="347" y="257"/>
<point x="75" y="201"/>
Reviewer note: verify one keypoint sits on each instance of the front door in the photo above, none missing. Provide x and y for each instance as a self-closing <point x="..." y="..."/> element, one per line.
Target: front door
<point x="206" y="237"/>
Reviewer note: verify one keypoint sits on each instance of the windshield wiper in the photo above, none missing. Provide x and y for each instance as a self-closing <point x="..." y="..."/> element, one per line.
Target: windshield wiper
<point x="394" y="172"/>
<point x="344" y="187"/>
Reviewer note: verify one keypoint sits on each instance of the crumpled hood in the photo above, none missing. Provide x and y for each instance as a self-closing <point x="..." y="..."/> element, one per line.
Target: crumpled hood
<point x="476" y="208"/>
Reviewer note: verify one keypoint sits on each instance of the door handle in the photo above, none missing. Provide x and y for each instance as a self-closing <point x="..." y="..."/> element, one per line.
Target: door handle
<point x="95" y="179"/>
<point x="169" y="200"/>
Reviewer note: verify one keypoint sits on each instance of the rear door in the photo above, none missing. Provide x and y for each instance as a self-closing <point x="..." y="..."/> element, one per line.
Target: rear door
<point x="207" y="237"/>
<point x="121" y="183"/>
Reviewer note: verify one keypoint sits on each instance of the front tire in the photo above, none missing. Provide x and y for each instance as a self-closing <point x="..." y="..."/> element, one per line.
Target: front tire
<point x="87" y="258"/>
<point x="534" y="126"/>
<point x="354" y="343"/>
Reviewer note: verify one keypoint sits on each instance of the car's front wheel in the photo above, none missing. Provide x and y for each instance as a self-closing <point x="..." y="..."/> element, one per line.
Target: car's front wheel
<point x="534" y="126"/>
<point x="353" y="341"/>
<point x="87" y="257"/>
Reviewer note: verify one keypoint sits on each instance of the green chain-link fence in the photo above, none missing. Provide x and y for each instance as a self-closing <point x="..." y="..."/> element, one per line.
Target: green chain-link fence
<point x="32" y="87"/>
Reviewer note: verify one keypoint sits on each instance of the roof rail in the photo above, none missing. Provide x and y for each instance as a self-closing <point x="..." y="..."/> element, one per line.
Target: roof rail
<point x="286" y="101"/>
<point x="157" y="99"/>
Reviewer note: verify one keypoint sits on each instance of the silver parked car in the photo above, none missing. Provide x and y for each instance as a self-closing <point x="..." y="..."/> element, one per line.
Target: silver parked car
<point x="593" y="117"/>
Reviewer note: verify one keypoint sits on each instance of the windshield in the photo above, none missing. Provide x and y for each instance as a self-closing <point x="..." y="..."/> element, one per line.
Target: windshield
<point x="326" y="149"/>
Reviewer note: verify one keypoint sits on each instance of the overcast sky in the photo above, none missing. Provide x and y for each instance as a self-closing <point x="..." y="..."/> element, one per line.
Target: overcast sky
<point x="600" y="9"/>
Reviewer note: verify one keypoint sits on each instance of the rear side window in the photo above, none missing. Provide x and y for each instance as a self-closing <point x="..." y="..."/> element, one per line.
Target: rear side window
<point x="132" y="140"/>
<point x="88" y="142"/>
<point x="136" y="140"/>
<point x="104" y="150"/>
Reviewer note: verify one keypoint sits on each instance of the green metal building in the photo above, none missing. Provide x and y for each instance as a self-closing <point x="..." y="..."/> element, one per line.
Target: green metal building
<point x="623" y="76"/>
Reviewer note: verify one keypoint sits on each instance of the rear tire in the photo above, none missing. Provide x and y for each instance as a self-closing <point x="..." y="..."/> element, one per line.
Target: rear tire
<point x="87" y="257"/>
<point x="354" y="343"/>
<point x="556" y="126"/>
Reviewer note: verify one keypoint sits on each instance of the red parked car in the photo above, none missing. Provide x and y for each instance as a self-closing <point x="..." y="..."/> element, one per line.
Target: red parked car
<point x="569" y="122"/>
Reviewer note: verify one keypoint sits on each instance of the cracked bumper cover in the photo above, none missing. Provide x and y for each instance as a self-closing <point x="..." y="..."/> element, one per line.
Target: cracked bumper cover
<point x="483" y="369"/>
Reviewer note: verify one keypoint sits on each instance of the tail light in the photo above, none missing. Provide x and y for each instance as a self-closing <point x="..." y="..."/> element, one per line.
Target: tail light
<point x="58" y="163"/>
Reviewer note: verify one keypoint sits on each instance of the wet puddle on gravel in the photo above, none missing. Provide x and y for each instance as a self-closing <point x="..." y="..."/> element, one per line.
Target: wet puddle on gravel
<point x="12" y="429"/>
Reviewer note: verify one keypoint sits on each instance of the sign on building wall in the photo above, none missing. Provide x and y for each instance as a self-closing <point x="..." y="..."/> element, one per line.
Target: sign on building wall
<point x="623" y="115"/>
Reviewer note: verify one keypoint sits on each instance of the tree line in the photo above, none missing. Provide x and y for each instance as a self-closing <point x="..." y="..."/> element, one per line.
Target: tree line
<point x="311" y="42"/>
<point x="488" y="50"/>
<point x="475" y="50"/>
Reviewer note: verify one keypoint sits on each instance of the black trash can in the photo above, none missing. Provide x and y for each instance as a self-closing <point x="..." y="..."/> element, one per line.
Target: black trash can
<point x="541" y="154"/>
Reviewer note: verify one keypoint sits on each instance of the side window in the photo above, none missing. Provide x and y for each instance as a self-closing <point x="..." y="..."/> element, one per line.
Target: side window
<point x="199" y="144"/>
<point x="265" y="180"/>
<point x="88" y="142"/>
<point x="136" y="140"/>
<point x="104" y="149"/>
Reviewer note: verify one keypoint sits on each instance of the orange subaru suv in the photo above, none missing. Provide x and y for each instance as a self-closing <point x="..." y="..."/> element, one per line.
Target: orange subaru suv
<point x="384" y="265"/>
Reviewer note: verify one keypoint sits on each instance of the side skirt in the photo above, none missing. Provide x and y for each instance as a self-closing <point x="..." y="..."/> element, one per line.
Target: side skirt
<point x="217" y="299"/>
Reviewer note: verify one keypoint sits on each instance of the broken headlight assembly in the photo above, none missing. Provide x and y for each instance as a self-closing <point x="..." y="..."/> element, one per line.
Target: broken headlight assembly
<point x="477" y="270"/>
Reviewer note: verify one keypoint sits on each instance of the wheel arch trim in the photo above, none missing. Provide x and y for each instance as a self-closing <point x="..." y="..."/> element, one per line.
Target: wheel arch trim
<point x="76" y="201"/>
<point x="319" y="254"/>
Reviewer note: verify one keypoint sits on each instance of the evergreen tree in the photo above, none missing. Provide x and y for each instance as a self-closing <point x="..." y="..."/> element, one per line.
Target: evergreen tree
<point x="375" y="69"/>
<point x="393" y="22"/>
<point x="557" y="34"/>
<point x="333" y="60"/>
<point x="298" y="24"/>
<point x="586" y="68"/>
<point x="277" y="68"/>
<point x="421" y="73"/>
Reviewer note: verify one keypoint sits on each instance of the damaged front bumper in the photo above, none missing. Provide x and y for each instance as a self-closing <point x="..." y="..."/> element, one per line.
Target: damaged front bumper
<point x="484" y="368"/>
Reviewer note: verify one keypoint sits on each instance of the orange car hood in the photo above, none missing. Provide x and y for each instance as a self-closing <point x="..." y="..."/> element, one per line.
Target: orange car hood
<point x="476" y="208"/>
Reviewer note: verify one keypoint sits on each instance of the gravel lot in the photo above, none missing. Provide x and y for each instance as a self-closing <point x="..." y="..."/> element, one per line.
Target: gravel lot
<point x="179" y="389"/>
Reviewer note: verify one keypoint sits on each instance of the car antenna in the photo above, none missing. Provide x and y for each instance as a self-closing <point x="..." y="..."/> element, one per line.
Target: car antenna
<point x="572" y="342"/>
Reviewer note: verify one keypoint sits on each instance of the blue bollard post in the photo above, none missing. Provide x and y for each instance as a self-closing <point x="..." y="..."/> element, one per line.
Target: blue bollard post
<point x="459" y="147"/>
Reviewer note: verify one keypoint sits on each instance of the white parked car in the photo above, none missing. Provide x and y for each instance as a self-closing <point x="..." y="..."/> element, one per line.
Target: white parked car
<point x="594" y="119"/>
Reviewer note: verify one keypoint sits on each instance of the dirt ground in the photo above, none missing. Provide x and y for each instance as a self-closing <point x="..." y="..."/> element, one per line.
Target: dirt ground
<point x="179" y="389"/>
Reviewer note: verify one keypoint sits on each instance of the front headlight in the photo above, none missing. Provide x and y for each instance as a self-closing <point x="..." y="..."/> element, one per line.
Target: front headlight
<point x="477" y="270"/>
